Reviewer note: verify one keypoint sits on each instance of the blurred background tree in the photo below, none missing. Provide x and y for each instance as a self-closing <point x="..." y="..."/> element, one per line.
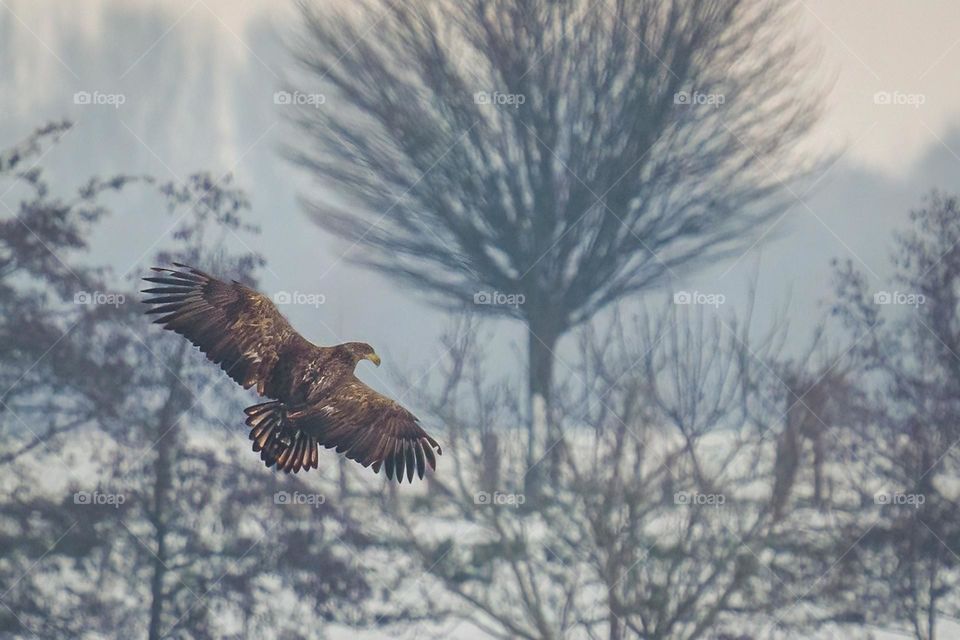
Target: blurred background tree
<point x="49" y="385"/>
<point x="190" y="538"/>
<point x="571" y="152"/>
<point x="662" y="522"/>
<point x="905" y="344"/>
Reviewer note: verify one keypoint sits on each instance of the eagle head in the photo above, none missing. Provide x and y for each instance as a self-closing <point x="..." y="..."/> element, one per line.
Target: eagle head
<point x="361" y="351"/>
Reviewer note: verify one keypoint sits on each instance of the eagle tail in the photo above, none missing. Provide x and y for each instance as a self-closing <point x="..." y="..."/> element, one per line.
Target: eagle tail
<point x="278" y="442"/>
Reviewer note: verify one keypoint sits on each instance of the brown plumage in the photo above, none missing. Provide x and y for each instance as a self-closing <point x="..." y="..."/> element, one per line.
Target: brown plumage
<point x="315" y="397"/>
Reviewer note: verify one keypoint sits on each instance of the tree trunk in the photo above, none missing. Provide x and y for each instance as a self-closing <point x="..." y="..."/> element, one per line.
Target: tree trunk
<point x="161" y="490"/>
<point x="542" y="340"/>
<point x="616" y="627"/>
<point x="489" y="462"/>
<point x="343" y="486"/>
<point x="167" y="433"/>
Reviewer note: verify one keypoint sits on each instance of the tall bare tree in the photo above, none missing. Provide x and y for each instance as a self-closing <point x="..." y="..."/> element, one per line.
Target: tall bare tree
<point x="43" y="239"/>
<point x="902" y="441"/>
<point x="662" y="522"/>
<point x="570" y="152"/>
<point x="121" y="514"/>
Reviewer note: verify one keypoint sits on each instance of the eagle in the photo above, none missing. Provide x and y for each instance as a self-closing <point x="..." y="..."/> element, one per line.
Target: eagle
<point x="314" y="398"/>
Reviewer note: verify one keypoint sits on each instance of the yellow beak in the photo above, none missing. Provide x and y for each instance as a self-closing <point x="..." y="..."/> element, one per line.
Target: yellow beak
<point x="374" y="358"/>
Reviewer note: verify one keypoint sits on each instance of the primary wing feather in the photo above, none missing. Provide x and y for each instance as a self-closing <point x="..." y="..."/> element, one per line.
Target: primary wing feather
<point x="371" y="429"/>
<point x="235" y="326"/>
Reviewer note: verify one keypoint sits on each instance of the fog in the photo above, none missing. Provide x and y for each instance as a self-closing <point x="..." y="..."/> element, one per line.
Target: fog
<point x="163" y="91"/>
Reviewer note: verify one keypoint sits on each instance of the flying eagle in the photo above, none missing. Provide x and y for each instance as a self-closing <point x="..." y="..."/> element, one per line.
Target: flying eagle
<point x="315" y="399"/>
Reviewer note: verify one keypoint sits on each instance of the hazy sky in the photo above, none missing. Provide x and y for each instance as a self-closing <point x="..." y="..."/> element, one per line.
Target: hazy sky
<point x="888" y="45"/>
<point x="871" y="45"/>
<point x="199" y="76"/>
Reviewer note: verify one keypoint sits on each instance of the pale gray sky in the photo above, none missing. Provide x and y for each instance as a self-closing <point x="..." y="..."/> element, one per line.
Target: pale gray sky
<point x="888" y="45"/>
<point x="199" y="77"/>
<point x="871" y="45"/>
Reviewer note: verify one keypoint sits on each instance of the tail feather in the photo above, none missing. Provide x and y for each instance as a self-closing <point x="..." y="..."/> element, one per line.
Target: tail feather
<point x="280" y="444"/>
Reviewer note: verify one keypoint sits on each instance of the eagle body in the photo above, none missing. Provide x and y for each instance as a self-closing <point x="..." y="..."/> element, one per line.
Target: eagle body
<point x="305" y="372"/>
<point x="314" y="397"/>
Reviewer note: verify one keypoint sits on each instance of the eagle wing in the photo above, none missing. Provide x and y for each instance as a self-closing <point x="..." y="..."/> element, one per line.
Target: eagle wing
<point x="370" y="428"/>
<point x="236" y="327"/>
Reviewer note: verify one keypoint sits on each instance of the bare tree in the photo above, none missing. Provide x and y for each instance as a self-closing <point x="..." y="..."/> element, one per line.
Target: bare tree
<point x="661" y="522"/>
<point x="570" y="152"/>
<point x="901" y="446"/>
<point x="50" y="385"/>
<point x="121" y="510"/>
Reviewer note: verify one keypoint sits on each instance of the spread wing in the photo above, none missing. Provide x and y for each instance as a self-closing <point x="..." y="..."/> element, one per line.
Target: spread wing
<point x="235" y="326"/>
<point x="371" y="429"/>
